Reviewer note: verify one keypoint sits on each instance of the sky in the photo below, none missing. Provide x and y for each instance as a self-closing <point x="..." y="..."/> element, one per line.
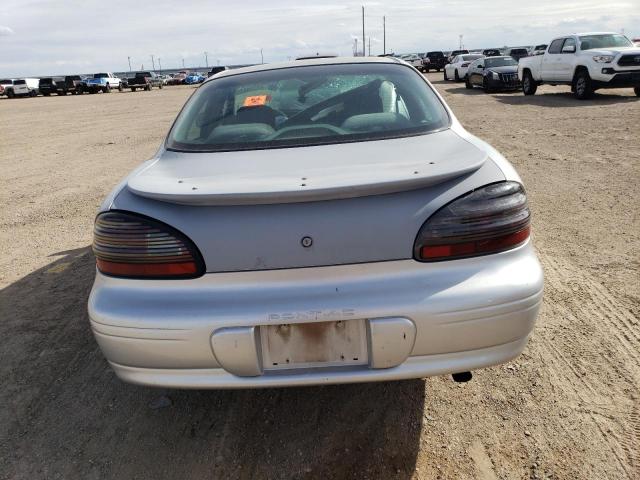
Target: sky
<point x="41" y="37"/>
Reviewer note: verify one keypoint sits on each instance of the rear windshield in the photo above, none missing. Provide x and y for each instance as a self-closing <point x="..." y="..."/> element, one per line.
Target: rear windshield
<point x="471" y="58"/>
<point x="519" y="51"/>
<point x="588" y="42"/>
<point x="19" y="82"/>
<point x="101" y="75"/>
<point x="435" y="54"/>
<point x="307" y="105"/>
<point x="499" y="62"/>
<point x="45" y="81"/>
<point x="143" y="74"/>
<point x="6" y="81"/>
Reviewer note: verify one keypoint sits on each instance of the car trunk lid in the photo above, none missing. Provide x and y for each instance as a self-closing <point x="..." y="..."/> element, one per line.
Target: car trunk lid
<point x="289" y="175"/>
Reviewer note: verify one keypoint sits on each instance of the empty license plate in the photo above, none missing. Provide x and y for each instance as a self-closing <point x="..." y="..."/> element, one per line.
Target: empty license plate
<point x="318" y="344"/>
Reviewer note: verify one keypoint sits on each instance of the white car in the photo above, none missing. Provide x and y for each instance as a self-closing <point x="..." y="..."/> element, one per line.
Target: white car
<point x="586" y="61"/>
<point x="23" y="87"/>
<point x="413" y="60"/>
<point x="313" y="222"/>
<point x="4" y="84"/>
<point x="457" y="69"/>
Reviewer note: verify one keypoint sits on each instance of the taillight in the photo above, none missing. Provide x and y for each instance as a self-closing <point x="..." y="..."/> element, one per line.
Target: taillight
<point x="490" y="219"/>
<point x="465" y="65"/>
<point x="130" y="245"/>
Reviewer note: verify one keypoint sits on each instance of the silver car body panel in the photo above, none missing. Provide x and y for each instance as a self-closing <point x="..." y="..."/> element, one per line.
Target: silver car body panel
<point x="467" y="313"/>
<point x="312" y="173"/>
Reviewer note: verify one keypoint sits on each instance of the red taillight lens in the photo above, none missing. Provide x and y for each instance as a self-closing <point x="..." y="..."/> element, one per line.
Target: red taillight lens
<point x="130" y="245"/>
<point x="491" y="219"/>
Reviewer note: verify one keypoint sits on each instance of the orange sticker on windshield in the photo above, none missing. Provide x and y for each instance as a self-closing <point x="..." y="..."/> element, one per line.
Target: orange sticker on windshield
<point x="256" y="100"/>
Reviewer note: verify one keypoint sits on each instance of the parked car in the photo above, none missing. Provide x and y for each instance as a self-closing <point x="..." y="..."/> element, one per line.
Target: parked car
<point x="178" y="78"/>
<point x="587" y="62"/>
<point x="193" y="78"/>
<point x="103" y="82"/>
<point x="4" y="84"/>
<point x="73" y="84"/>
<point x="518" y="53"/>
<point x="457" y="69"/>
<point x="491" y="52"/>
<point x="412" y="59"/>
<point x="493" y="73"/>
<point x="270" y="241"/>
<point x="539" y="49"/>
<point x="455" y="53"/>
<point x="216" y="69"/>
<point x="23" y="87"/>
<point x="47" y="85"/>
<point x="437" y="61"/>
<point x="144" y="81"/>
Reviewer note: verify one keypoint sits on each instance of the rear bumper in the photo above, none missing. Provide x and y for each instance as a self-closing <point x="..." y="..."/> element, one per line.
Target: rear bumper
<point x="468" y="314"/>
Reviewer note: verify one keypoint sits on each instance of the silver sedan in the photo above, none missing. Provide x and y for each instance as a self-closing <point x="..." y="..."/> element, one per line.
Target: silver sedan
<point x="313" y="222"/>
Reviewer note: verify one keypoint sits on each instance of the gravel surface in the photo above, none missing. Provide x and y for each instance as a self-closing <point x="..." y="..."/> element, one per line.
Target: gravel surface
<point x="567" y="408"/>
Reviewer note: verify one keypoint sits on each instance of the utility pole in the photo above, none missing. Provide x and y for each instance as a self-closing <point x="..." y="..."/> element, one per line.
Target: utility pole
<point x="369" y="45"/>
<point x="261" y="56"/>
<point x="355" y="49"/>
<point x="384" y="35"/>
<point x="183" y="63"/>
<point x="153" y="62"/>
<point x="206" y="58"/>
<point x="160" y="64"/>
<point x="460" y="46"/>
<point x="364" y="53"/>
<point x="129" y="60"/>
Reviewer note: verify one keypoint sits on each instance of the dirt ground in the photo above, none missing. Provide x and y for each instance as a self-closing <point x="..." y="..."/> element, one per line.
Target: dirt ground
<point x="568" y="408"/>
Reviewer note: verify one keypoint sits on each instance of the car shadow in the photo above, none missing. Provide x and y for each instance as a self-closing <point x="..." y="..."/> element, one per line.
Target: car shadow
<point x="66" y="415"/>
<point x="565" y="99"/>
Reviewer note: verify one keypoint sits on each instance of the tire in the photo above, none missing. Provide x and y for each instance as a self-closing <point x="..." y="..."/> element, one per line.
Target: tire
<point x="160" y="86"/>
<point x="439" y="69"/>
<point x="107" y="89"/>
<point x="467" y="83"/>
<point x="529" y="85"/>
<point x="133" y="89"/>
<point x="637" y="91"/>
<point x="456" y="76"/>
<point x="120" y="88"/>
<point x="446" y="79"/>
<point x="64" y="92"/>
<point x="33" y="93"/>
<point x="582" y="85"/>
<point x="485" y="86"/>
<point x="46" y="94"/>
<point x="11" y="94"/>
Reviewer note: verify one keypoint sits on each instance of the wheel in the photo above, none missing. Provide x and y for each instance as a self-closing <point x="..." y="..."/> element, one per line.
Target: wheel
<point x="106" y="88"/>
<point x="456" y="76"/>
<point x="446" y="79"/>
<point x="467" y="83"/>
<point x="10" y="94"/>
<point x="485" y="86"/>
<point x="160" y="86"/>
<point x="133" y="89"/>
<point x="439" y="69"/>
<point x="637" y="91"/>
<point x="63" y="92"/>
<point x="529" y="85"/>
<point x="120" y="88"/>
<point x="46" y="94"/>
<point x="33" y="93"/>
<point x="582" y="84"/>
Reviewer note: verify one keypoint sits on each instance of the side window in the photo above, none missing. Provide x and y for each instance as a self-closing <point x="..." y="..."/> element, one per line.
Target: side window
<point x="556" y="46"/>
<point x="569" y="42"/>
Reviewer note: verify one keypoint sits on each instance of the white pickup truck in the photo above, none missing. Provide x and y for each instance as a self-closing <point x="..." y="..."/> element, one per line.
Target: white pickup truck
<point x="586" y="61"/>
<point x="103" y="82"/>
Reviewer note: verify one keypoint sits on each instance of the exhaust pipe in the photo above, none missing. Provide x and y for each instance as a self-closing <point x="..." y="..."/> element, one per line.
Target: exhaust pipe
<point x="462" y="377"/>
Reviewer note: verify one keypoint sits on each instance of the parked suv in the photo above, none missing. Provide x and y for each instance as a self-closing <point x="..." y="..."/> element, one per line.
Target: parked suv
<point x="23" y="87"/>
<point x="48" y="85"/>
<point x="455" y="53"/>
<point x="437" y="61"/>
<point x="518" y="53"/>
<point x="587" y="62"/>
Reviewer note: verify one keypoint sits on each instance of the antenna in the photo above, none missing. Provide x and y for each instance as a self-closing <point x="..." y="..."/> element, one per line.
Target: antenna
<point x="364" y="53"/>
<point x="384" y="35"/>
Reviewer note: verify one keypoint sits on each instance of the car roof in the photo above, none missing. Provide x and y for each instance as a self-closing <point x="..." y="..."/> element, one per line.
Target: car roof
<point x="306" y="63"/>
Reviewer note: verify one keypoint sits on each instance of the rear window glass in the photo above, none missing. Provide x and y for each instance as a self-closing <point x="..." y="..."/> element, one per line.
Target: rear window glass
<point x="307" y="105"/>
<point x="20" y="82"/>
<point x="101" y="75"/>
<point x="143" y="74"/>
<point x="6" y="81"/>
<point x="469" y="58"/>
<point x="45" y="81"/>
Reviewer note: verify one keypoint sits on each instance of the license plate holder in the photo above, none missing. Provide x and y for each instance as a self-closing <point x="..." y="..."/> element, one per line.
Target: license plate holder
<point x="312" y="345"/>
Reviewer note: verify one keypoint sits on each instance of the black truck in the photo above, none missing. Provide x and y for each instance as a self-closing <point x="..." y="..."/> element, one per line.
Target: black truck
<point x="49" y="85"/>
<point x="144" y="81"/>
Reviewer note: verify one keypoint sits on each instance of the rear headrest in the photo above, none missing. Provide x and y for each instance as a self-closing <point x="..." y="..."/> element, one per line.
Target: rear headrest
<point x="376" y="122"/>
<point x="240" y="132"/>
